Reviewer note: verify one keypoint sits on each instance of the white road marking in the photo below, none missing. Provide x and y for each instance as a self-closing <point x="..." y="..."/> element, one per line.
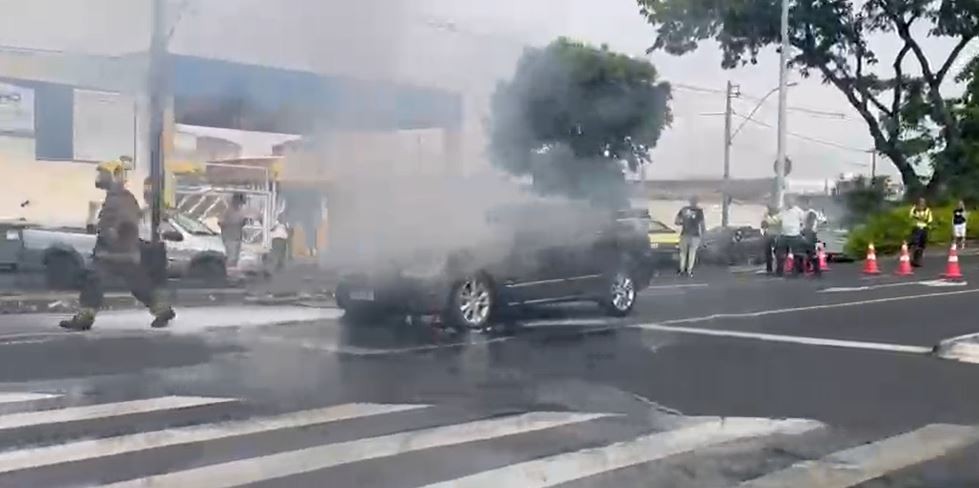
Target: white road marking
<point x="113" y="446"/>
<point x="808" y="341"/>
<point x="843" y="289"/>
<point x="105" y="410"/>
<point x="568" y="467"/>
<point x="254" y="470"/>
<point x="682" y="285"/>
<point x="944" y="283"/>
<point x="763" y="313"/>
<point x="24" y="397"/>
<point x="189" y="319"/>
<point x="854" y="466"/>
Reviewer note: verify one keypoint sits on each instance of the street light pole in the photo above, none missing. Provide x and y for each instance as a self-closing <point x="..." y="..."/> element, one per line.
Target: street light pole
<point x="782" y="107"/>
<point x="725" y="195"/>
<point x="156" y="88"/>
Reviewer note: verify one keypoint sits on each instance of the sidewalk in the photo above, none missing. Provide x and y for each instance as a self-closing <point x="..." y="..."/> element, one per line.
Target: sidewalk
<point x="303" y="283"/>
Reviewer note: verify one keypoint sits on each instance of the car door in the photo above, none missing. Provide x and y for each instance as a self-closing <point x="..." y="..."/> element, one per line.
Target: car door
<point x="527" y="273"/>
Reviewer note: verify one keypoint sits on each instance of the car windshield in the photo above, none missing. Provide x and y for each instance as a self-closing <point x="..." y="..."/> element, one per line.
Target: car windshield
<point x="192" y="225"/>
<point x="657" y="227"/>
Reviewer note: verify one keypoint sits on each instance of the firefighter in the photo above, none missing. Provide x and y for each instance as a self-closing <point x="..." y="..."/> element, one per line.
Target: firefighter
<point x="117" y="253"/>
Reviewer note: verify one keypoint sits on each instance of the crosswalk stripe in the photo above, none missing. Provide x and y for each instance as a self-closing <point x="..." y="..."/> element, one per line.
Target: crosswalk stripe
<point x="104" y="410"/>
<point x="112" y="446"/>
<point x="567" y="467"/>
<point x="859" y="464"/>
<point x="254" y="470"/>
<point x="24" y="397"/>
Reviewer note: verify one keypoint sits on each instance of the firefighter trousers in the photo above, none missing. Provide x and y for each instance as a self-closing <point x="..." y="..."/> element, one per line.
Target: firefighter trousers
<point x="137" y="279"/>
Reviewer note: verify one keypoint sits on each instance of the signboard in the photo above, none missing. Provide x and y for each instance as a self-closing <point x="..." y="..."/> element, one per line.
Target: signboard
<point x="788" y="166"/>
<point x="104" y="127"/>
<point x="16" y="110"/>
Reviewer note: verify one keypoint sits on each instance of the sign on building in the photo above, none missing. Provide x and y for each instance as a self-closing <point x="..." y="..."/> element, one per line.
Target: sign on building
<point x="16" y="110"/>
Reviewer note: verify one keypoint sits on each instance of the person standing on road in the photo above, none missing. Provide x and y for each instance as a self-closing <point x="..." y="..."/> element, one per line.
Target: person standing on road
<point x="770" y="228"/>
<point x="280" y="244"/>
<point x="692" y="229"/>
<point x="117" y="252"/>
<point x="921" y="218"/>
<point x="959" y="218"/>
<point x="790" y="238"/>
<point x="813" y="218"/>
<point x="232" y="225"/>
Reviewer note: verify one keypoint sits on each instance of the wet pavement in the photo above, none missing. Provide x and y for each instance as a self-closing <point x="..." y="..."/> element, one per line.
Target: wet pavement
<point x="714" y="381"/>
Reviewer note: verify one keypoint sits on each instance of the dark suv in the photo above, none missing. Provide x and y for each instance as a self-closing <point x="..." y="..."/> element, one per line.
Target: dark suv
<point x="535" y="254"/>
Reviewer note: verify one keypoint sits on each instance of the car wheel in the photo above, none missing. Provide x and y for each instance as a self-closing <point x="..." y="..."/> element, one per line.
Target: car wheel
<point x="61" y="271"/>
<point x="621" y="294"/>
<point x="209" y="271"/>
<point x="471" y="303"/>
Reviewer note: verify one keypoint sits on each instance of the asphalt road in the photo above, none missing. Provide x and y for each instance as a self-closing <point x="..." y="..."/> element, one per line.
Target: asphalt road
<point x="719" y="380"/>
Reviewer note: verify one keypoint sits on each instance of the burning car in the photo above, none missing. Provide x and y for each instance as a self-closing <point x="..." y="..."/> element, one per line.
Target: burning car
<point x="532" y="254"/>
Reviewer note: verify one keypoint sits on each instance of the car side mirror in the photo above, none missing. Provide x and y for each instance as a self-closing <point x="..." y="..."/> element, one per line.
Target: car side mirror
<point x="173" y="236"/>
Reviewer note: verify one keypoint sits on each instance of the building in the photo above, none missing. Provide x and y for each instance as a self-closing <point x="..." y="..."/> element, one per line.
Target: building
<point x="368" y="89"/>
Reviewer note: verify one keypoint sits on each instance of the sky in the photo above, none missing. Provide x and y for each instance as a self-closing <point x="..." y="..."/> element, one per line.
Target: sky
<point x="468" y="46"/>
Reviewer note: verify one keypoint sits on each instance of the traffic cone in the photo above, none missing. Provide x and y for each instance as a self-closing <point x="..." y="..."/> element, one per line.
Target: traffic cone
<point x="870" y="265"/>
<point x="789" y="262"/>
<point x="821" y="255"/>
<point x="952" y="270"/>
<point x="904" y="262"/>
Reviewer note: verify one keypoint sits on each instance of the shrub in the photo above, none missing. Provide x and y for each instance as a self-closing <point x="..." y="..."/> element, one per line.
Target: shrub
<point x="888" y="230"/>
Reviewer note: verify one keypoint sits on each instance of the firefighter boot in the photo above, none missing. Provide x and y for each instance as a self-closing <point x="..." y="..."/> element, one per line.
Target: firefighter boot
<point x="81" y="321"/>
<point x="163" y="317"/>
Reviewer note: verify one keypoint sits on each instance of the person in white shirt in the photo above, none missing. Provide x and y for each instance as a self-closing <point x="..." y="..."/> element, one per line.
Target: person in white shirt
<point x="811" y="222"/>
<point x="280" y="244"/>
<point x="790" y="239"/>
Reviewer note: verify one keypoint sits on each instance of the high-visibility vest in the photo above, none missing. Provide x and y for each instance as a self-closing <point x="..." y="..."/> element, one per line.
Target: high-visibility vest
<point x="922" y="217"/>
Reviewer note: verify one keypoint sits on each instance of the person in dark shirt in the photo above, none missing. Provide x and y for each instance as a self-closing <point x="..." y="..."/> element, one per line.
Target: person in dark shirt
<point x="959" y="218"/>
<point x="692" y="229"/>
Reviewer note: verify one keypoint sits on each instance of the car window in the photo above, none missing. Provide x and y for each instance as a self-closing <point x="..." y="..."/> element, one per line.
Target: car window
<point x="192" y="225"/>
<point x="658" y="227"/>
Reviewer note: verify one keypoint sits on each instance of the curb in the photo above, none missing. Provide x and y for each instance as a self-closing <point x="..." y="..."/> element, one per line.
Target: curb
<point x="963" y="349"/>
<point x="68" y="302"/>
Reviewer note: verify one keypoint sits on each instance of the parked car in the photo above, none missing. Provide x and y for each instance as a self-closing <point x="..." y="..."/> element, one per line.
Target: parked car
<point x="664" y="241"/>
<point x="605" y="260"/>
<point x="193" y="250"/>
<point x="733" y="246"/>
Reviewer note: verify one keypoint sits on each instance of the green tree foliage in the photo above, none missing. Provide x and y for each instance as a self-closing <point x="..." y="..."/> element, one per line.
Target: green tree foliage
<point x="572" y="113"/>
<point x="964" y="182"/>
<point x="905" y="112"/>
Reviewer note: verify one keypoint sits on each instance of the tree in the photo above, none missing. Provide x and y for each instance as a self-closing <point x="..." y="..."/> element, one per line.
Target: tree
<point x="965" y="184"/>
<point x="905" y="113"/>
<point x="572" y="113"/>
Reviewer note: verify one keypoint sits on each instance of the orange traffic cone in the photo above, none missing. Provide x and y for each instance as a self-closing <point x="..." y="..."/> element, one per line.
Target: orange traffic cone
<point x="821" y="255"/>
<point x="952" y="270"/>
<point x="904" y="262"/>
<point x="789" y="262"/>
<point x="870" y="265"/>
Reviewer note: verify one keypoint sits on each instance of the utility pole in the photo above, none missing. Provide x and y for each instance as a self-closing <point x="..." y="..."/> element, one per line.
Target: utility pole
<point x="726" y="204"/>
<point x="782" y="107"/>
<point x="873" y="166"/>
<point x="157" y="92"/>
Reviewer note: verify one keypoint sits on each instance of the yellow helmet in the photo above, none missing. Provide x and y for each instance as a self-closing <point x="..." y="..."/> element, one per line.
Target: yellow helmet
<point x="112" y="167"/>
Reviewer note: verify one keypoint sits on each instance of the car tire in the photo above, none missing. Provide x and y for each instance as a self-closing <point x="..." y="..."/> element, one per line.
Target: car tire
<point x="620" y="294"/>
<point x="61" y="271"/>
<point x="208" y="271"/>
<point x="471" y="303"/>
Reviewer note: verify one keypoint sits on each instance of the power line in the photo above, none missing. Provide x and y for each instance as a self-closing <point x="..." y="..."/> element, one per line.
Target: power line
<point x="805" y="137"/>
<point x="805" y="110"/>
